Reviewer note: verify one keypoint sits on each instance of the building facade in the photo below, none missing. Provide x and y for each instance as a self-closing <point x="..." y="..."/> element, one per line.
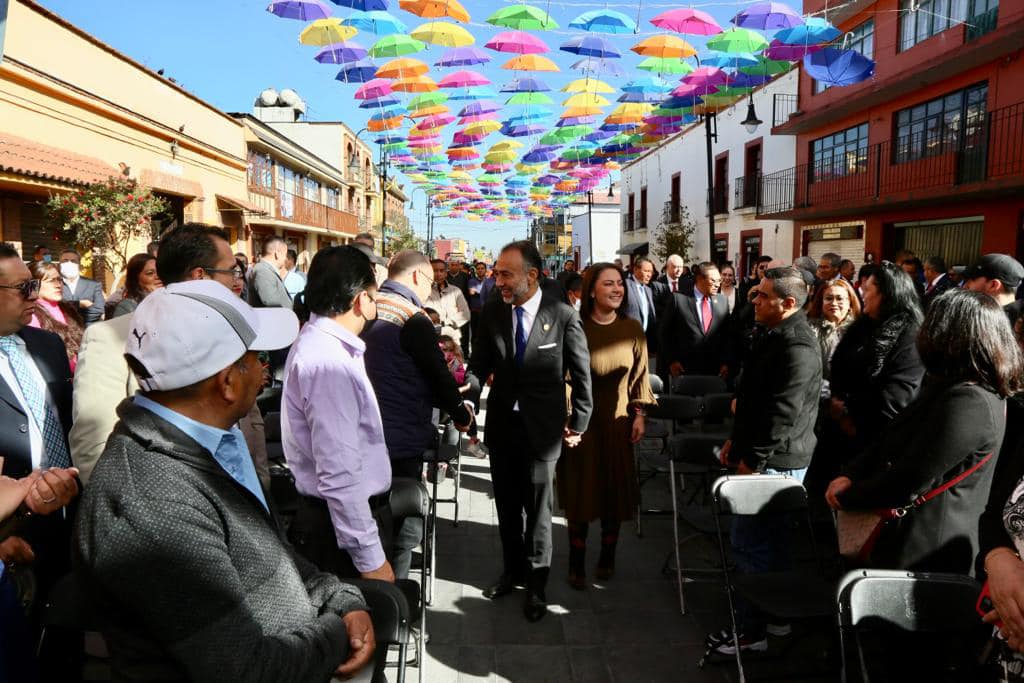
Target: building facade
<point x="553" y="237"/>
<point x="669" y="185"/>
<point x="928" y="154"/>
<point x="446" y="249"/>
<point x="597" y="220"/>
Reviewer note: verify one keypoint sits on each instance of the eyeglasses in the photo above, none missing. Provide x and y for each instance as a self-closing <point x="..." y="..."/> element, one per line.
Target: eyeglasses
<point x="236" y="273"/>
<point x="27" y="289"/>
<point x="424" y="274"/>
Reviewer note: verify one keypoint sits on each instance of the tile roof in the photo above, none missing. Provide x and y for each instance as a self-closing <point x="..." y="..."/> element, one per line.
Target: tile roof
<point x="26" y="157"/>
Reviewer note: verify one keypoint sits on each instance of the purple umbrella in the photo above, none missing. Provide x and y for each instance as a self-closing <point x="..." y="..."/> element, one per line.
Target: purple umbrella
<point x="549" y="179"/>
<point x="480" y="107"/>
<point x="523" y="129"/>
<point x="303" y="10"/>
<point x="462" y="56"/>
<point x="779" y="50"/>
<point x="593" y="65"/>
<point x="541" y="154"/>
<point x="526" y="84"/>
<point x="641" y="97"/>
<point x="598" y="135"/>
<point x="576" y="121"/>
<point x="768" y="15"/>
<point x="341" y="53"/>
<point x="473" y="118"/>
<point x="591" y="46"/>
<point x="705" y="75"/>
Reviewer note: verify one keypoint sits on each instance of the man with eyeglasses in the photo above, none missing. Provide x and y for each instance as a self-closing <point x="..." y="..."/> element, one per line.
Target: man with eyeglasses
<point x="694" y="333"/>
<point x="102" y="378"/>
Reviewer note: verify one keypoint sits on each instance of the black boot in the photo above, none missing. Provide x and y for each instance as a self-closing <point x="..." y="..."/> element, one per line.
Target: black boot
<point x="577" y="555"/>
<point x="609" y="539"/>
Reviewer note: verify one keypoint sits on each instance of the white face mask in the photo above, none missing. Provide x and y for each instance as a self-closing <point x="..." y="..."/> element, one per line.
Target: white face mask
<point x="576" y="304"/>
<point x="69" y="270"/>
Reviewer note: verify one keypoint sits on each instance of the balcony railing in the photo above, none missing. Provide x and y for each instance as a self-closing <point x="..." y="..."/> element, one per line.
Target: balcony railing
<point x="720" y="198"/>
<point x="783" y="106"/>
<point x="671" y="214"/>
<point x="627" y="222"/>
<point x="640" y="220"/>
<point x="981" y="24"/>
<point x="745" y="193"/>
<point x="990" y="149"/>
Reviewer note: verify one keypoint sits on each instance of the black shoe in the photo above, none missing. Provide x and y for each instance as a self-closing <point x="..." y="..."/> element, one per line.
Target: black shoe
<point x="505" y="584"/>
<point x="535" y="606"/>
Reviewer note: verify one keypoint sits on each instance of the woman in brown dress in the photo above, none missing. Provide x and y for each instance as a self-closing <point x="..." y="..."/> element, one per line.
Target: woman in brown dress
<point x="597" y="479"/>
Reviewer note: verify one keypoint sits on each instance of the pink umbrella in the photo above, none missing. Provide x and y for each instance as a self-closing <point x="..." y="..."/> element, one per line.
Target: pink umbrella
<point x="435" y="121"/>
<point x="694" y="90"/>
<point x="517" y="42"/>
<point x="425" y="142"/>
<point x="779" y="50"/>
<point x="461" y="138"/>
<point x="378" y="87"/>
<point x="691" y="21"/>
<point x="463" y="79"/>
<point x="473" y="118"/>
<point x="706" y="75"/>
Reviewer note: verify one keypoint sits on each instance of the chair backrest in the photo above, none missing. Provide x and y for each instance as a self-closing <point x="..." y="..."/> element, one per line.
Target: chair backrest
<point x="699" y="385"/>
<point x="681" y="408"/>
<point x="758" y="494"/>
<point x="911" y="601"/>
<point x="389" y="608"/>
<point x="409" y="498"/>
<point x="272" y="426"/>
<point x="657" y="386"/>
<point x="717" y="407"/>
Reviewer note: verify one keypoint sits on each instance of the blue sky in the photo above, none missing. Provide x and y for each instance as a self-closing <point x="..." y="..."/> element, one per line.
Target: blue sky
<point x="227" y="51"/>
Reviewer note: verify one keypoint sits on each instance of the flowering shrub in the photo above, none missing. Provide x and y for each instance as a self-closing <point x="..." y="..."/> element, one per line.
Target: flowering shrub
<point x="104" y="217"/>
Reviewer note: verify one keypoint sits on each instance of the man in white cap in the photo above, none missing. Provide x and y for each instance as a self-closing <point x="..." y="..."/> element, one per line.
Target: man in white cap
<point x="184" y="568"/>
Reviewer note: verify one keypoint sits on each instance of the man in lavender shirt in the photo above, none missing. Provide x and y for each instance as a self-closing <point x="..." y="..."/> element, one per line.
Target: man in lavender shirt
<point x="331" y="425"/>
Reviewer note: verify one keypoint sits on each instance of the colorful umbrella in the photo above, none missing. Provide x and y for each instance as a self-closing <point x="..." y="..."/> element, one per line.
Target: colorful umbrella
<point x="815" y="30"/>
<point x="692" y="22"/>
<point x="767" y="15"/>
<point x="376" y="101"/>
<point x="664" y="46"/>
<point x="517" y="42"/>
<point x="415" y="84"/>
<point x="429" y="110"/>
<point x="363" y="5"/>
<point x="436" y="9"/>
<point x="377" y="22"/>
<point x="781" y="51"/>
<point x="462" y="79"/>
<point x="706" y="75"/>
<point x="590" y="46"/>
<point x="588" y="85"/>
<point x="304" y="10"/>
<point x="402" y="67"/>
<point x="529" y="98"/>
<point x="604" y="21"/>
<point x="729" y="61"/>
<point x="583" y="113"/>
<point x="481" y="107"/>
<point x="530" y="63"/>
<point x="326" y="31"/>
<point x="767" y="67"/>
<point x="593" y="65"/>
<point x="443" y="34"/>
<point x="738" y="40"/>
<point x="647" y="84"/>
<point x="526" y="84"/>
<point x="523" y="18"/>
<point x="376" y="88"/>
<point x="427" y="99"/>
<point x="396" y="46"/>
<point x="665" y="65"/>
<point x="839" y="67"/>
<point x="341" y="53"/>
<point x="357" y="72"/>
<point x="585" y="99"/>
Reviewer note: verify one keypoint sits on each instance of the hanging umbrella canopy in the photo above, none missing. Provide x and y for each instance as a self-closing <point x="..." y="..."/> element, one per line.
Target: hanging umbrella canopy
<point x="482" y="128"/>
<point x="591" y="46"/>
<point x="479" y="92"/>
<point x="526" y="84"/>
<point x="378" y="101"/>
<point x="473" y="118"/>
<point x="588" y="85"/>
<point x="326" y="32"/>
<point x="664" y="46"/>
<point x="376" y="88"/>
<point x="580" y="114"/>
<point x="435" y="9"/>
<point x="444" y="34"/>
<point x="462" y="79"/>
<point x="377" y="22"/>
<point x="363" y="5"/>
<point x="604" y="21"/>
<point x="357" y="72"/>
<point x="585" y="99"/>
<point x="396" y="46"/>
<point x="303" y="10"/>
<point x="519" y="130"/>
<point x="529" y="98"/>
<point x="341" y="53"/>
<point x="431" y="110"/>
<point x="523" y="18"/>
<point x="414" y="84"/>
<point x="427" y="99"/>
<point x="432" y="122"/>
<point x="728" y="61"/>
<point x="402" y="67"/>
<point x="384" y="124"/>
<point x="692" y="22"/>
<point x="814" y="31"/>
<point x="767" y="16"/>
<point x="530" y="63"/>
<point x="517" y="42"/>
<point x="706" y="75"/>
<point x="665" y="65"/>
<point x="652" y="97"/>
<point x="767" y="67"/>
<point x="480" y="107"/>
<point x="593" y="65"/>
<point x="462" y="56"/>
<point x="781" y="51"/>
<point x="839" y="67"/>
<point x="735" y="40"/>
<point x="647" y="84"/>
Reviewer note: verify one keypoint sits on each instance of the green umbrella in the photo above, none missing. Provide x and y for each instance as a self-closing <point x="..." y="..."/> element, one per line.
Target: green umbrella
<point x="427" y="99"/>
<point x="523" y="18"/>
<point x="718" y="100"/>
<point x="668" y="111"/>
<point x="665" y="65"/>
<point x="396" y="45"/>
<point x="561" y="135"/>
<point x="767" y="67"/>
<point x="529" y="98"/>
<point x="391" y="146"/>
<point x="735" y="40"/>
<point x="731" y="92"/>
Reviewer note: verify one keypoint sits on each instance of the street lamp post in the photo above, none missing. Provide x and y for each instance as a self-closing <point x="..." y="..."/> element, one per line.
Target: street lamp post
<point x="751" y="123"/>
<point x="429" y="210"/>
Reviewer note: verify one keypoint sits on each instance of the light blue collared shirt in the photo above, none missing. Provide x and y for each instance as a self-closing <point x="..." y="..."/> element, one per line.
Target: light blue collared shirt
<point x="228" y="448"/>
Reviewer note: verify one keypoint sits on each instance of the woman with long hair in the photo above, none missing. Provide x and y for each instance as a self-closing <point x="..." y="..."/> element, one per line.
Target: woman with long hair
<point x="597" y="479"/>
<point x="52" y="313"/>
<point x="833" y="309"/>
<point x="140" y="279"/>
<point x="729" y="290"/>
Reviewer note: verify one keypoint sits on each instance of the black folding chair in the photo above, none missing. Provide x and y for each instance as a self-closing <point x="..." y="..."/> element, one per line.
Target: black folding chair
<point x="391" y="616"/>
<point x="787" y="596"/>
<point x="698" y="385"/>
<point x="890" y="602"/>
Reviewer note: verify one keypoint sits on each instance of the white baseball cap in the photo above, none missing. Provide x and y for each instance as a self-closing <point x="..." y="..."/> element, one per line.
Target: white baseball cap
<point x="190" y="331"/>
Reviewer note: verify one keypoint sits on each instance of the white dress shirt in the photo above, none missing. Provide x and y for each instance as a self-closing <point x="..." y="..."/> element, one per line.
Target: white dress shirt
<point x="641" y="297"/>
<point x="530" y="308"/>
<point x="730" y="299"/>
<point x="35" y="432"/>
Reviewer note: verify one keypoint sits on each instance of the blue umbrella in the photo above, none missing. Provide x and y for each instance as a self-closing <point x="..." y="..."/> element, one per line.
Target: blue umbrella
<point x="478" y="92"/>
<point x="576" y="121"/>
<point x="528" y="117"/>
<point x="389" y="139"/>
<point x="767" y="15"/>
<point x="526" y="84"/>
<point x="363" y="5"/>
<point x="838" y="67"/>
<point x="603" y="67"/>
<point x="388" y="113"/>
<point x="304" y="10"/>
<point x="598" y="135"/>
<point x="480" y="107"/>
<point x="814" y="32"/>
<point x="647" y="96"/>
<point x="360" y="72"/>
<point x="523" y="129"/>
<point x="729" y="61"/>
<point x="648" y="84"/>
<point x="541" y="154"/>
<point x="742" y="80"/>
<point x="591" y="46"/>
<point x="377" y="22"/>
<point x="341" y="53"/>
<point x="378" y="102"/>
<point x="604" y="21"/>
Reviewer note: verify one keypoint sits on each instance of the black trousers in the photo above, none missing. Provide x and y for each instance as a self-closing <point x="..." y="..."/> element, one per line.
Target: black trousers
<point x="524" y="497"/>
<point x="312" y="534"/>
<point x="408" y="530"/>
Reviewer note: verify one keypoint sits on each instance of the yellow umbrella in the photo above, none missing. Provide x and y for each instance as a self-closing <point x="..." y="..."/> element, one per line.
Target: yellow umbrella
<point x="326" y="32"/>
<point x="414" y="84"/>
<point x="485" y="127"/>
<point x="460" y="175"/>
<point x="574" y="112"/>
<point x="588" y="85"/>
<point x="586" y="99"/>
<point x="530" y="63"/>
<point x="664" y="46"/>
<point x="402" y="67"/>
<point x="506" y="144"/>
<point x="435" y="9"/>
<point x="444" y="34"/>
<point x="421" y="132"/>
<point x="500" y="156"/>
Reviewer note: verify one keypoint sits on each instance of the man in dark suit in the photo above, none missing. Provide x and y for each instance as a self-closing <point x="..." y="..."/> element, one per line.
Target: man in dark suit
<point x="672" y="280"/>
<point x="640" y="304"/>
<point x="528" y="340"/>
<point x="80" y="291"/>
<point x="936" y="280"/>
<point x="694" y="330"/>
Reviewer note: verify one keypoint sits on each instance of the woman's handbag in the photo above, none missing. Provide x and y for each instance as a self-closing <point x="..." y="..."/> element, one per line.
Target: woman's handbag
<point x="859" y="531"/>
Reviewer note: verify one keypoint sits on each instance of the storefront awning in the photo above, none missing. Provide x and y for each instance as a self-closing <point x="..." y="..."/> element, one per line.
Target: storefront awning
<point x="633" y="248"/>
<point x="242" y="204"/>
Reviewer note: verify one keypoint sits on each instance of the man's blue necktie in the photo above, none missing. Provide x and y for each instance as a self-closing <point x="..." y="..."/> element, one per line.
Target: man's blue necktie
<point x="520" y="337"/>
<point x="55" y="446"/>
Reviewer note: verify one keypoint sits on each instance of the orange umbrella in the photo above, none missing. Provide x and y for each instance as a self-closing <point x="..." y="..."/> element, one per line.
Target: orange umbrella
<point x="402" y="68"/>
<point x="415" y="84"/>
<point x="428" y="111"/>
<point x="664" y="46"/>
<point x="435" y="9"/>
<point x="384" y="124"/>
<point x="530" y="63"/>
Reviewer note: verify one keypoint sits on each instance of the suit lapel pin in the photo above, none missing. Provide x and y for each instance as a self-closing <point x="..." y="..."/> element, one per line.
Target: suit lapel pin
<point x="546" y="327"/>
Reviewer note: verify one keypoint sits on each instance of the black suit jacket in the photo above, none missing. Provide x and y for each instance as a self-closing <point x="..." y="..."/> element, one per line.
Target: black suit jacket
<point x="556" y="346"/>
<point x="86" y="289"/>
<point x="634" y="290"/>
<point x="47" y="350"/>
<point x="943" y="285"/>
<point x="683" y="339"/>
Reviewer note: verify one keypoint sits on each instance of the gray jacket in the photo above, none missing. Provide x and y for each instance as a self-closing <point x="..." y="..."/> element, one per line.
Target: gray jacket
<point x="188" y="577"/>
<point x="266" y="288"/>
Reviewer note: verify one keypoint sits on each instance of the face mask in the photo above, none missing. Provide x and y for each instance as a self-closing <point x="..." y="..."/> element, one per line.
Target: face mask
<point x="576" y="304"/>
<point x="69" y="270"/>
<point x="437" y="329"/>
<point x="47" y="258"/>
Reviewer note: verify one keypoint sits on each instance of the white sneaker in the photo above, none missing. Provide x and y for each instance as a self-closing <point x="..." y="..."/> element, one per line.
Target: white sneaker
<point x="722" y="643"/>
<point x="477" y="450"/>
<point x="779" y="630"/>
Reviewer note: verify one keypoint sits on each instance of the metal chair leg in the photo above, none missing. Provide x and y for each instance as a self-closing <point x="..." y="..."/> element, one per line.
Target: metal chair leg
<point x="675" y="536"/>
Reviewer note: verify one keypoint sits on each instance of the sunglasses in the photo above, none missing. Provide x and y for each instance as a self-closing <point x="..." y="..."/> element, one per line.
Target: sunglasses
<point x="28" y="288"/>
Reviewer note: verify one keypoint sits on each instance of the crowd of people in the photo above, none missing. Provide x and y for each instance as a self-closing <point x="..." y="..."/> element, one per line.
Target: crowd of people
<point x="135" y="460"/>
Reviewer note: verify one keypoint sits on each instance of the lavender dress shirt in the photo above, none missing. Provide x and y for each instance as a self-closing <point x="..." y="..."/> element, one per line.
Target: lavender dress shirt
<point x="332" y="434"/>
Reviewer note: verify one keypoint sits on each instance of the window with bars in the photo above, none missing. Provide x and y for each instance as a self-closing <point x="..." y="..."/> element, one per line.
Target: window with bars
<point x="922" y="19"/>
<point x="260" y="171"/>
<point x="334" y="197"/>
<point x="935" y="127"/>
<point x="861" y="38"/>
<point x="840" y="154"/>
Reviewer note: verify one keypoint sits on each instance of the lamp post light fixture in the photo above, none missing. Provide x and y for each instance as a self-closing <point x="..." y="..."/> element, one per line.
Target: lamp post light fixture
<point x="751" y="123"/>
